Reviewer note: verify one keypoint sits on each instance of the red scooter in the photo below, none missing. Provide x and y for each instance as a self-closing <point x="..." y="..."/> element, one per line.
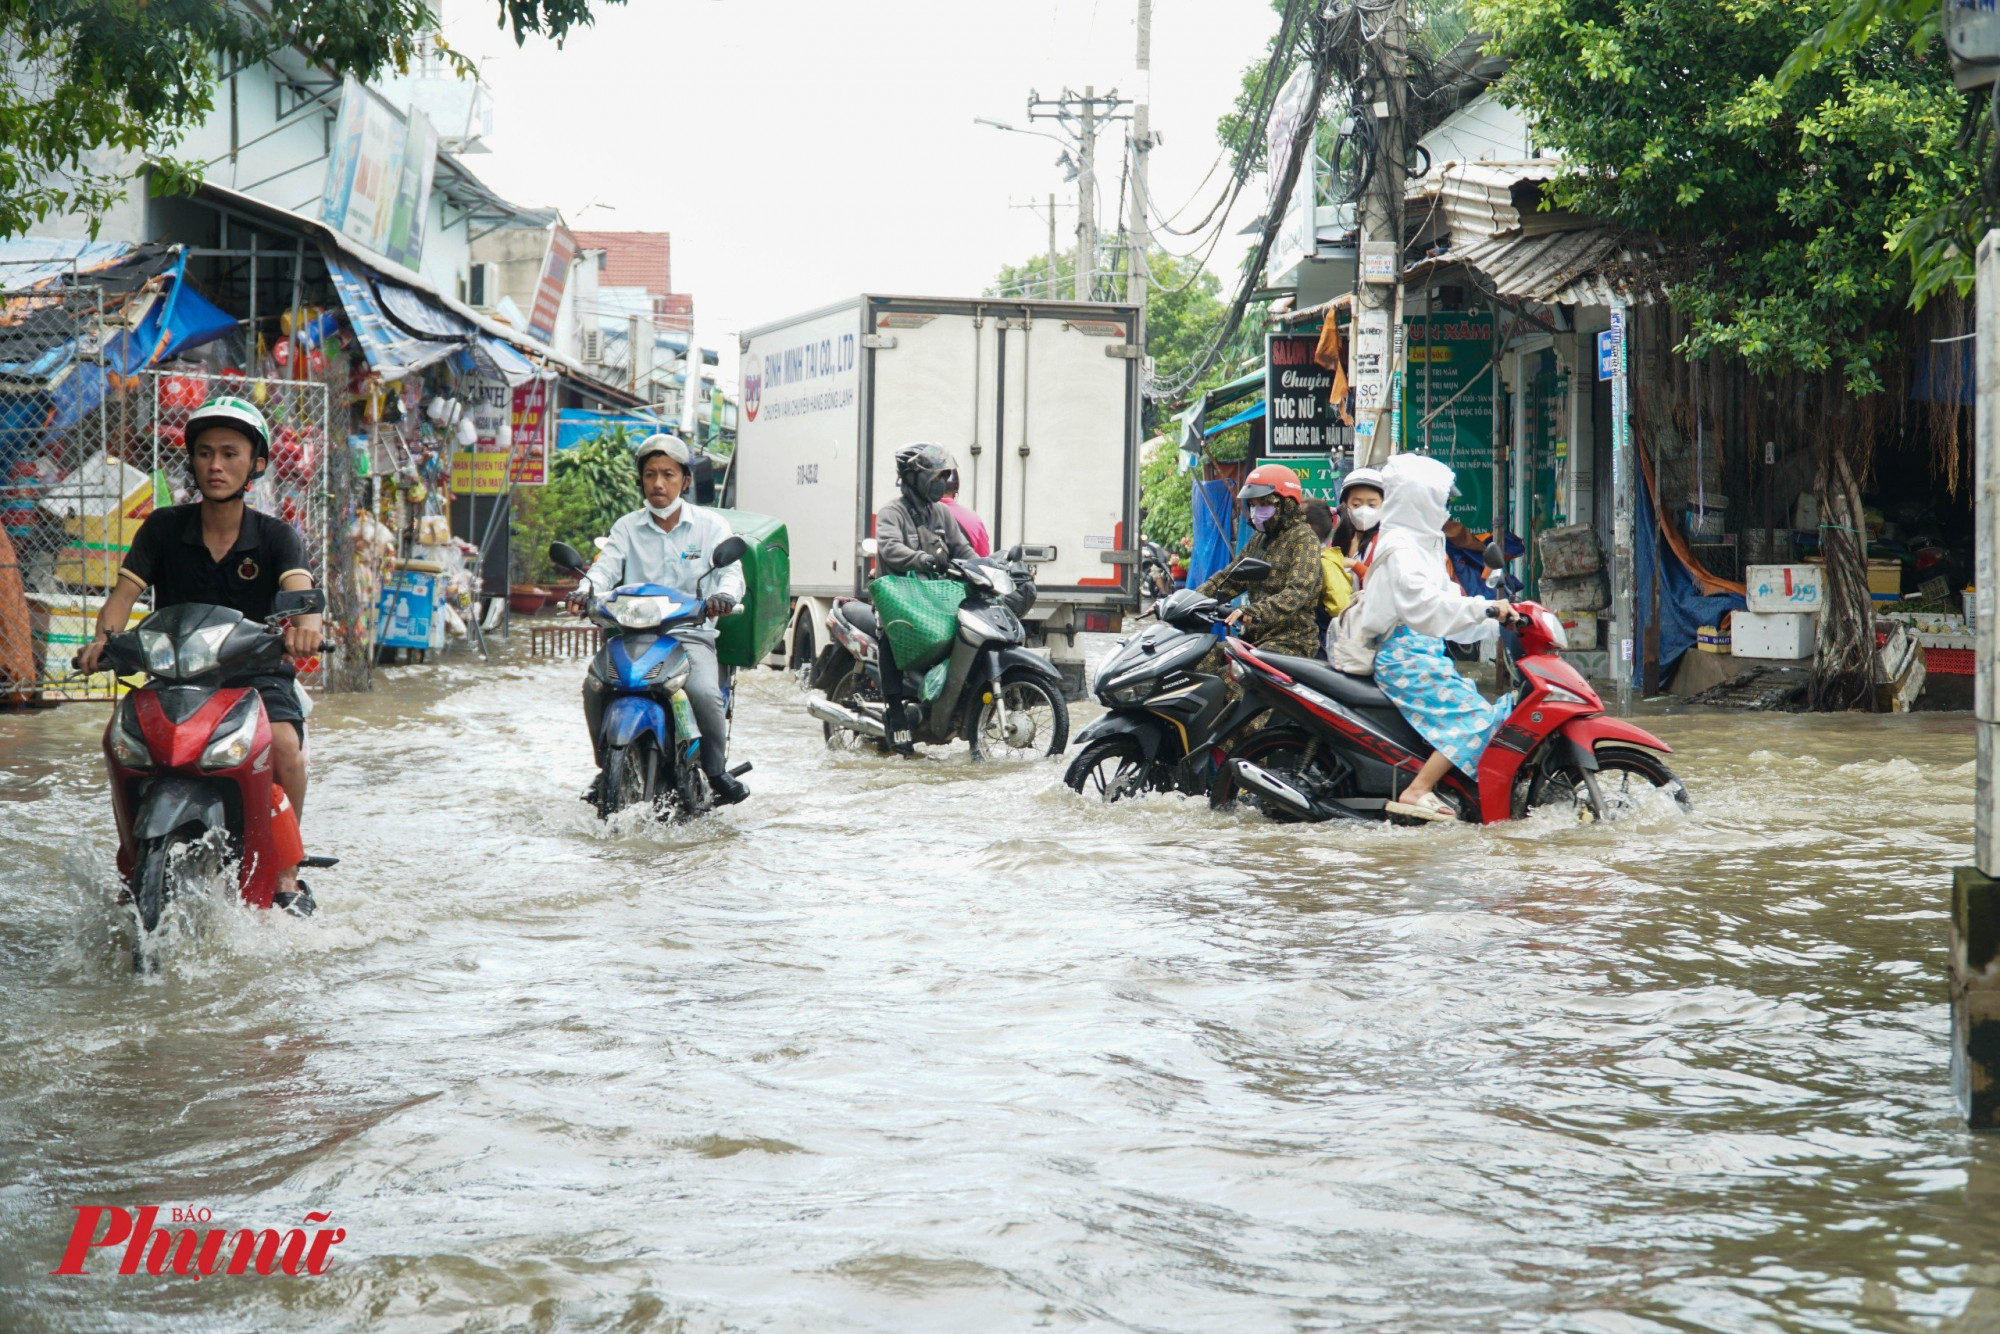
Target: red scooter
<point x="190" y="759"/>
<point x="1348" y="751"/>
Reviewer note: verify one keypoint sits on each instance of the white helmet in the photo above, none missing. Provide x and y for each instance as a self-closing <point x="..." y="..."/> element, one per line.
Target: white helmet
<point x="671" y="445"/>
<point x="1361" y="477"/>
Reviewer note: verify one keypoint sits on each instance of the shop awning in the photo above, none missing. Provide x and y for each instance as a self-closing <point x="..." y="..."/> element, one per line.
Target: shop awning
<point x="1249" y="414"/>
<point x="394" y="346"/>
<point x="1568" y="268"/>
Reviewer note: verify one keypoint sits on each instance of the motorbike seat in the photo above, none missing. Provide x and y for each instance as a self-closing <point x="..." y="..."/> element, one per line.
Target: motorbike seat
<point x="1359" y="692"/>
<point x="862" y="617"/>
<point x="1356" y="692"/>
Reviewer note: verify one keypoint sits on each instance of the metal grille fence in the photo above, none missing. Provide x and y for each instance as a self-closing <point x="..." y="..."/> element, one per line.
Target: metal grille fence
<point x="86" y="454"/>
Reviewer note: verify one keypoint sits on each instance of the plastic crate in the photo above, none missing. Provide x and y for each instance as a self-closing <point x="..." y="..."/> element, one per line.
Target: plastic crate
<point x="1949" y="661"/>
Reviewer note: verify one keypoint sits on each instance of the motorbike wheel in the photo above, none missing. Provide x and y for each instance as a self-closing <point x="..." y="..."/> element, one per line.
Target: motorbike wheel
<point x="1112" y="769"/>
<point x="849" y="691"/>
<point x="161" y="868"/>
<point x="1617" y="790"/>
<point x="630" y="775"/>
<point x="1037" y="719"/>
<point x="803" y="654"/>
<point x="1283" y="751"/>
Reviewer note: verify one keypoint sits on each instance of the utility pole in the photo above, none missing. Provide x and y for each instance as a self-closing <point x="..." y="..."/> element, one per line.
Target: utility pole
<point x="1086" y="198"/>
<point x="1083" y="116"/>
<point x="1053" y="266"/>
<point x="1378" y="304"/>
<point x="1136" y="273"/>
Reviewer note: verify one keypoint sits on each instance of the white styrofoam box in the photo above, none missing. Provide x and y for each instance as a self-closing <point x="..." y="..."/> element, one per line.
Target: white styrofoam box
<point x="1785" y="587"/>
<point x="1773" y="634"/>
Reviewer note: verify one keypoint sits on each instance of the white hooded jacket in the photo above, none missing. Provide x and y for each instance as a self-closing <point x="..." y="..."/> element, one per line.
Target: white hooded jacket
<point x="1409" y="583"/>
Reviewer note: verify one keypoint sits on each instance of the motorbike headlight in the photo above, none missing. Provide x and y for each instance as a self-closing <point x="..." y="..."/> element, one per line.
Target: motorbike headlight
<point x="158" y="647"/>
<point x="640" y="613"/>
<point x="234" y="738"/>
<point x="198" y="651"/>
<point x="128" y="742"/>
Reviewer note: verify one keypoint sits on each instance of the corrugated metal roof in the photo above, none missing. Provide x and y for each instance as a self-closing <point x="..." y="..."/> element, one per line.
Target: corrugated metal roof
<point x="1567" y="268"/>
<point x="1489" y="198"/>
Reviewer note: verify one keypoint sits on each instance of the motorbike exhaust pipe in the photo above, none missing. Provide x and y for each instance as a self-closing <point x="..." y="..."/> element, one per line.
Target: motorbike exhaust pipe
<point x="827" y="711"/>
<point x="1270" y="785"/>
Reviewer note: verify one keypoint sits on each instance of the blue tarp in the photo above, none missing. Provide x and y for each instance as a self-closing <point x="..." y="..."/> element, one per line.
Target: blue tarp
<point x="1683" y="606"/>
<point x="1251" y="413"/>
<point x="576" y="425"/>
<point x="180" y="319"/>
<point x="1214" y="508"/>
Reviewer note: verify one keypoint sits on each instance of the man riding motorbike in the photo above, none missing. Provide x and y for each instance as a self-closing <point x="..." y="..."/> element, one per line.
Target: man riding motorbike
<point x="916" y="534"/>
<point x="670" y="542"/>
<point x="221" y="552"/>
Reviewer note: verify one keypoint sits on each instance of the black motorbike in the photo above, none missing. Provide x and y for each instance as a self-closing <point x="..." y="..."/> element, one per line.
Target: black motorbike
<point x="1166" y="724"/>
<point x="1001" y="698"/>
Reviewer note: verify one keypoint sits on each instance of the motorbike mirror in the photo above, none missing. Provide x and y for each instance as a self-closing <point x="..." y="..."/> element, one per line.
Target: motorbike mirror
<point x="1013" y="553"/>
<point x="1250" y="570"/>
<point x="728" y="551"/>
<point x="298" y="602"/>
<point x="1496" y="559"/>
<point x="566" y="557"/>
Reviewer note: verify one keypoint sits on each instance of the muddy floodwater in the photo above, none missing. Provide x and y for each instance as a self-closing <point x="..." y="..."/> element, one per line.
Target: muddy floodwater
<point x="930" y="1046"/>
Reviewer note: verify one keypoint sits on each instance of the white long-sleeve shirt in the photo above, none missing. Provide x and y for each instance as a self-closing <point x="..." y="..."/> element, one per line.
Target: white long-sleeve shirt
<point x="639" y="551"/>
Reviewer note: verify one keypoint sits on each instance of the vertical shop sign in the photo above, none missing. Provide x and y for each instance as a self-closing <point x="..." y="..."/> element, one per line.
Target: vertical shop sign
<point x="529" y="420"/>
<point x="555" y="277"/>
<point x="1449" y="357"/>
<point x="1368" y="372"/>
<point x="483" y="470"/>
<point x="1301" y="419"/>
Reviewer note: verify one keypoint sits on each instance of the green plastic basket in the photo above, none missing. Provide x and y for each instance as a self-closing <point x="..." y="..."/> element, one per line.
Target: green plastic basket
<point x="918" y="616"/>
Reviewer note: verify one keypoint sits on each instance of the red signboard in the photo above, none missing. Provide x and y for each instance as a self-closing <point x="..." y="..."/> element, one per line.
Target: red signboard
<point x="549" y="291"/>
<point x="530" y="422"/>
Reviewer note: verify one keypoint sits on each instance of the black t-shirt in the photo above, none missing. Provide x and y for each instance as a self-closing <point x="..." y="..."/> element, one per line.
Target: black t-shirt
<point x="169" y="555"/>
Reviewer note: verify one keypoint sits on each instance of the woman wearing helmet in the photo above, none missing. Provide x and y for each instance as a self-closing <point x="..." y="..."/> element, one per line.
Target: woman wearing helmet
<point x="1280" y="615"/>
<point x="1359" y="517"/>
<point x="916" y="534"/>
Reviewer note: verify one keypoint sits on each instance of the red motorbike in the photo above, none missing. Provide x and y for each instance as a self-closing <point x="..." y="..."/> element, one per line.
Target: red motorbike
<point x="1344" y="751"/>
<point x="190" y="759"/>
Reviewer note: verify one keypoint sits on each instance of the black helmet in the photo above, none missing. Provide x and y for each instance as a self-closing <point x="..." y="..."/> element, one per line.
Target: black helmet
<point x="926" y="473"/>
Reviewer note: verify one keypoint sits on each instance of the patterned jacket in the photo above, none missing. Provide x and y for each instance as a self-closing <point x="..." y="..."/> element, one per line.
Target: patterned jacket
<point x="1280" y="615"/>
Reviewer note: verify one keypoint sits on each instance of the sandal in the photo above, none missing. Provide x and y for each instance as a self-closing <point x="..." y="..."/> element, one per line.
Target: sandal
<point x="1429" y="807"/>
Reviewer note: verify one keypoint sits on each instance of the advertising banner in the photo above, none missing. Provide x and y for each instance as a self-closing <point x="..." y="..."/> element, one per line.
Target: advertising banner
<point x="549" y="289"/>
<point x="483" y="470"/>
<point x="1296" y="390"/>
<point x="1447" y="355"/>
<point x="378" y="175"/>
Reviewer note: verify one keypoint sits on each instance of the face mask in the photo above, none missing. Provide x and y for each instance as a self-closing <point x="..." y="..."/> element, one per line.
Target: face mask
<point x="662" y="511"/>
<point x="1261" y="515"/>
<point x="1365" y="517"/>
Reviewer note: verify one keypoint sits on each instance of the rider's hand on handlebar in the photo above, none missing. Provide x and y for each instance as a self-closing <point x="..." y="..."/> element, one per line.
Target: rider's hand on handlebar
<point x="86" y="659"/>
<point x="301" y="641"/>
<point x="1504" y="613"/>
<point x="718" y="606"/>
<point x="1234" y="618"/>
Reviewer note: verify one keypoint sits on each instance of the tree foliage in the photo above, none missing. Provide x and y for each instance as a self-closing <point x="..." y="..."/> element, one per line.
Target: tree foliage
<point x="590" y="488"/>
<point x="1784" y="191"/>
<point x="85" y="76"/>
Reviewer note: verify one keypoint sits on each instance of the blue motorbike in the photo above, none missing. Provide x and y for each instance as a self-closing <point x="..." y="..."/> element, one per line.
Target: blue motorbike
<point x="648" y="744"/>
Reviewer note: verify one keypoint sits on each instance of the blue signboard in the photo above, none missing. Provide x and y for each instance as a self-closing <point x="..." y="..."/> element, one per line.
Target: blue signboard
<point x="1607" y="355"/>
<point x="409" y="601"/>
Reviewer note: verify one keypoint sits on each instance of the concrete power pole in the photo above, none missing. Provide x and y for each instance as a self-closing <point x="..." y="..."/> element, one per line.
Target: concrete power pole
<point x="1379" y="301"/>
<point x="1054" y="267"/>
<point x="1136" y="272"/>
<point x="1086" y="197"/>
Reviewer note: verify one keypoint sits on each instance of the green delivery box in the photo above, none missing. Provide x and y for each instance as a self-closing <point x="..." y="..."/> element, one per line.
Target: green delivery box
<point x="746" y="636"/>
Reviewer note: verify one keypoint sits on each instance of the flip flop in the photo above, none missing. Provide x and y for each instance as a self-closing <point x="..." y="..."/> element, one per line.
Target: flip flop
<point x="1429" y="807"/>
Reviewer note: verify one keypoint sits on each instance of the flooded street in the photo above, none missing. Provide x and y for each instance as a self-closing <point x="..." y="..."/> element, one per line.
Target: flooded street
<point x="924" y="1046"/>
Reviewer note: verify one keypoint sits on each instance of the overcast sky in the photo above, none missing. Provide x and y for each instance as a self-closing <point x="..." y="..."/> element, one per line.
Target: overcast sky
<point x="803" y="151"/>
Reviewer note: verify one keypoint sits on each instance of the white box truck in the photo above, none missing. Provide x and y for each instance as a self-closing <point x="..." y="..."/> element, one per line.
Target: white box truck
<point x="1038" y="401"/>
